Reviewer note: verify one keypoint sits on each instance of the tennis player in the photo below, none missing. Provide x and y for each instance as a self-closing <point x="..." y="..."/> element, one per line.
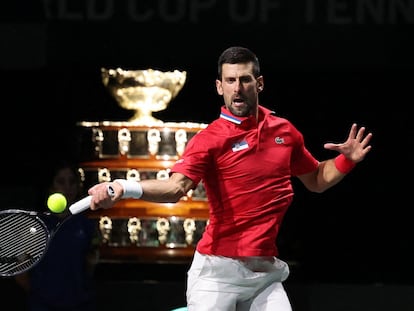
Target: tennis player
<point x="245" y="159"/>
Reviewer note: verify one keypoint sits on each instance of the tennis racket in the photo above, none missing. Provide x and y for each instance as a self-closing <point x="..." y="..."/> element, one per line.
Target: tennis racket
<point x="25" y="236"/>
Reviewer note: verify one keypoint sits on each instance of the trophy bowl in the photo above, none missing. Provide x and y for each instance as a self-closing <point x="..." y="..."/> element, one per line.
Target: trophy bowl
<point x="144" y="91"/>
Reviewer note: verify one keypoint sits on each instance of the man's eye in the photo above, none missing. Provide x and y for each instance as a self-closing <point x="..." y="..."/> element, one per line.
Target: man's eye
<point x="245" y="80"/>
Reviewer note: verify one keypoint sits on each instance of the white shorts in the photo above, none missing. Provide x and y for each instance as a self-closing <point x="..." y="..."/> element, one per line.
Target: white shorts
<point x="228" y="284"/>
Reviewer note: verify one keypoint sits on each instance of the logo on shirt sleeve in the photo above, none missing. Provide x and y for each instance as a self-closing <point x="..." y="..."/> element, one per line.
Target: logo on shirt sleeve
<point x="240" y="146"/>
<point x="279" y="140"/>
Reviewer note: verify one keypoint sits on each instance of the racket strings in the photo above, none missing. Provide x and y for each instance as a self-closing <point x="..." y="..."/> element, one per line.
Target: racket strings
<point x="23" y="239"/>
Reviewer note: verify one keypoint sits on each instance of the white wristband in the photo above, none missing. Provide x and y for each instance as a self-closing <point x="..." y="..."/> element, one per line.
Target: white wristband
<point x="132" y="189"/>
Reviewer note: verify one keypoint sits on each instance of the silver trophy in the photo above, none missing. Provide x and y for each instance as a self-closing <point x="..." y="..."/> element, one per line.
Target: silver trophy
<point x="144" y="91"/>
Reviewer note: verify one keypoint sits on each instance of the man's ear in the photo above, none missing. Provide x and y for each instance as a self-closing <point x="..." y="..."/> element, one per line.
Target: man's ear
<point x="219" y="87"/>
<point x="260" y="84"/>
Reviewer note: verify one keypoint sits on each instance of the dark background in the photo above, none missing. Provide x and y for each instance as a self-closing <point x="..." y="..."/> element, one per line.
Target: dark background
<point x="325" y="66"/>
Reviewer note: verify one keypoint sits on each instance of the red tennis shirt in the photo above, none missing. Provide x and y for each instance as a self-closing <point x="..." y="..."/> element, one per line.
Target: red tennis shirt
<point x="246" y="167"/>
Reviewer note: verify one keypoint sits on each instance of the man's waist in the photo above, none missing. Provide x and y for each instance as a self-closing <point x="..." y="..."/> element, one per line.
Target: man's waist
<point x="255" y="259"/>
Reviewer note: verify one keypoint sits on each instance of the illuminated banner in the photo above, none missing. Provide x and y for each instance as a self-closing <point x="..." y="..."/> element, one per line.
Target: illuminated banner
<point x="164" y="32"/>
<point x="334" y="12"/>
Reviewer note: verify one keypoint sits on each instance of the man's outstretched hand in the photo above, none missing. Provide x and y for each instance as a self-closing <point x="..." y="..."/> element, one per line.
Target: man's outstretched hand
<point x="356" y="147"/>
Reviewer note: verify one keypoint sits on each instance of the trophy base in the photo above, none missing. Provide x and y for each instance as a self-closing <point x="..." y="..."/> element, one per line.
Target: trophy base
<point x="136" y="229"/>
<point x="145" y="121"/>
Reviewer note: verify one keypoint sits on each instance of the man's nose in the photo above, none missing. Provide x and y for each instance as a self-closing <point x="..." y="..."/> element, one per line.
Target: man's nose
<point x="237" y="86"/>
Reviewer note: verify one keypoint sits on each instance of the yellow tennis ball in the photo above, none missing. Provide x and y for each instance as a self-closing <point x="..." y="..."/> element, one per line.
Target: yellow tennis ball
<point x="56" y="202"/>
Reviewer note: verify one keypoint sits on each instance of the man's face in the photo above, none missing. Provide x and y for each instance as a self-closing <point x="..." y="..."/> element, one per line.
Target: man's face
<point x="239" y="88"/>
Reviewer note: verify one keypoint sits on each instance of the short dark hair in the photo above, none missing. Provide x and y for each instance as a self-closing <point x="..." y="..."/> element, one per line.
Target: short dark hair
<point x="235" y="55"/>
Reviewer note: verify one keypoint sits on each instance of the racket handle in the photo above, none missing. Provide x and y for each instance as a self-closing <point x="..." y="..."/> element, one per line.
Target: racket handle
<point x="83" y="204"/>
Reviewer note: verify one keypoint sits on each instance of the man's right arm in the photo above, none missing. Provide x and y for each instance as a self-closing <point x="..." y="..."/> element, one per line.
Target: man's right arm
<point x="162" y="191"/>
